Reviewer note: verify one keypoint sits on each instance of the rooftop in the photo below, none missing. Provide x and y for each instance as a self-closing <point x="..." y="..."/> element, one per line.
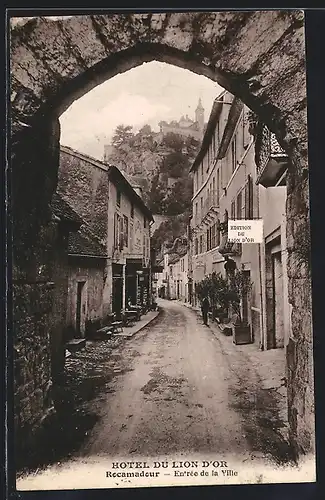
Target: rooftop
<point x="62" y="210"/>
<point x="84" y="243"/>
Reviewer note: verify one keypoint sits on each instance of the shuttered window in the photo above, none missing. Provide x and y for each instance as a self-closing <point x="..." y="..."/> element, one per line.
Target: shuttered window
<point x="121" y="234"/>
<point x="116" y="230"/>
<point x="233" y="210"/>
<point x="217" y="233"/>
<point x="249" y="208"/>
<point x="126" y="231"/>
<point x="201" y="244"/>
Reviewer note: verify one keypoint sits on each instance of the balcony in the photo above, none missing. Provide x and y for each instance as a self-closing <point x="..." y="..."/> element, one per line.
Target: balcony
<point x="271" y="160"/>
<point x="209" y="211"/>
<point x="211" y="204"/>
<point x="226" y="247"/>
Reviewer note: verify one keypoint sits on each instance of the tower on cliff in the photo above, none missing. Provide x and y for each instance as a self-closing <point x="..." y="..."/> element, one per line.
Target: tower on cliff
<point x="199" y="115"/>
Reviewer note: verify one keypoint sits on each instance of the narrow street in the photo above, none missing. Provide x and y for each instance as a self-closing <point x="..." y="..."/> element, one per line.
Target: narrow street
<point x="183" y="393"/>
<point x="178" y="391"/>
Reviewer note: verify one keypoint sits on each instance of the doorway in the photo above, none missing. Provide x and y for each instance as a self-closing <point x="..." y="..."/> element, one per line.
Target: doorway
<point x="80" y="309"/>
<point x="117" y="291"/>
<point x="274" y="295"/>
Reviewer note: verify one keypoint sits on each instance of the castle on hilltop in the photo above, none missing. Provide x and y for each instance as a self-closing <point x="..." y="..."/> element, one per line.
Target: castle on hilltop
<point x="185" y="126"/>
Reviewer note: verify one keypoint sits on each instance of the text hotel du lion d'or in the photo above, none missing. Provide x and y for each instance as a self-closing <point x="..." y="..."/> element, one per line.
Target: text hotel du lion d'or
<point x="175" y="468"/>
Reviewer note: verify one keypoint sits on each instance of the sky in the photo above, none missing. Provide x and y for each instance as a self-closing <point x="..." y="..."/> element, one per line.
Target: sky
<point x="146" y="94"/>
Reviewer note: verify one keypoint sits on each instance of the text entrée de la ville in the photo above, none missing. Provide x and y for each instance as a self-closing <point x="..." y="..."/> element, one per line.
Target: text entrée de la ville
<point x="187" y="468"/>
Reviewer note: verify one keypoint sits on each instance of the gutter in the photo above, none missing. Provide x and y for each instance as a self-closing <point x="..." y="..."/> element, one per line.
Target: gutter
<point x="88" y="256"/>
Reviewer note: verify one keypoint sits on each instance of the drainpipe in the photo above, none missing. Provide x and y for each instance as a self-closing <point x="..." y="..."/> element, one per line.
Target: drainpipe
<point x="260" y="275"/>
<point x="123" y="286"/>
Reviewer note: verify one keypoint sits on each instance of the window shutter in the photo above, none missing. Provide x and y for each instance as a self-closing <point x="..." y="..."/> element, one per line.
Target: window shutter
<point x="217" y="233"/>
<point x="233" y="210"/>
<point x="116" y="230"/>
<point x="247" y="200"/>
<point x="249" y="214"/>
<point x="121" y="235"/>
<point x="126" y="231"/>
<point x="251" y="200"/>
<point x="239" y="205"/>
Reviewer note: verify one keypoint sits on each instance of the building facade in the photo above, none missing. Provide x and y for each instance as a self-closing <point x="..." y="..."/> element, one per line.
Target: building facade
<point x="87" y="262"/>
<point x="173" y="280"/>
<point x="128" y="244"/>
<point x="228" y="186"/>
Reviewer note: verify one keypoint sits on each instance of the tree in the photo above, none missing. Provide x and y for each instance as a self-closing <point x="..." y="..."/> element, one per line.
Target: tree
<point x="156" y="195"/>
<point x="180" y="196"/>
<point x="123" y="135"/>
<point x="173" y="141"/>
<point x="169" y="230"/>
<point x="224" y="292"/>
<point x="192" y="146"/>
<point x="175" y="165"/>
<point x="145" y="130"/>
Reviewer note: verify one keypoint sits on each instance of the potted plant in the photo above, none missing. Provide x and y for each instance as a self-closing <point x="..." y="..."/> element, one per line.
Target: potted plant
<point x="240" y="285"/>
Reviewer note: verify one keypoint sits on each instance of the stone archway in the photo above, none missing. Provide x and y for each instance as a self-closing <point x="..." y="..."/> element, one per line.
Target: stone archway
<point x="257" y="56"/>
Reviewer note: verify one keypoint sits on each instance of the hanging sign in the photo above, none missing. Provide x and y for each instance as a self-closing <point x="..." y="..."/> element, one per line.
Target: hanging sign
<point x="245" y="231"/>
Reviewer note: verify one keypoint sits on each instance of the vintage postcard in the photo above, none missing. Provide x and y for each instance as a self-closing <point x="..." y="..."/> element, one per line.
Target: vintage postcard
<point x="161" y="277"/>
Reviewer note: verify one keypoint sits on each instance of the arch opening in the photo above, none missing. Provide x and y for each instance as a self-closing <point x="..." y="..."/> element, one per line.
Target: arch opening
<point x="242" y="52"/>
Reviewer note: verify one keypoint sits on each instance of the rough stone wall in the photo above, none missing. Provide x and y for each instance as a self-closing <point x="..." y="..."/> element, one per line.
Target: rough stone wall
<point x="58" y="313"/>
<point x="85" y="187"/>
<point x="38" y="318"/>
<point x="300" y="347"/>
<point x="34" y="283"/>
<point x="257" y="56"/>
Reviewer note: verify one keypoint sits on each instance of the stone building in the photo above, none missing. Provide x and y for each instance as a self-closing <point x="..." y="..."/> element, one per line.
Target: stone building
<point x="110" y="256"/>
<point x="87" y="259"/>
<point x="178" y="277"/>
<point x="172" y="280"/>
<point x="186" y="127"/>
<point x="230" y="184"/>
<point x="129" y="276"/>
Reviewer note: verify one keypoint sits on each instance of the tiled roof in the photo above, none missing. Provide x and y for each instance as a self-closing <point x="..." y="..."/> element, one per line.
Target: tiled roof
<point x="83" y="156"/>
<point x="63" y="211"/>
<point x="85" y="243"/>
